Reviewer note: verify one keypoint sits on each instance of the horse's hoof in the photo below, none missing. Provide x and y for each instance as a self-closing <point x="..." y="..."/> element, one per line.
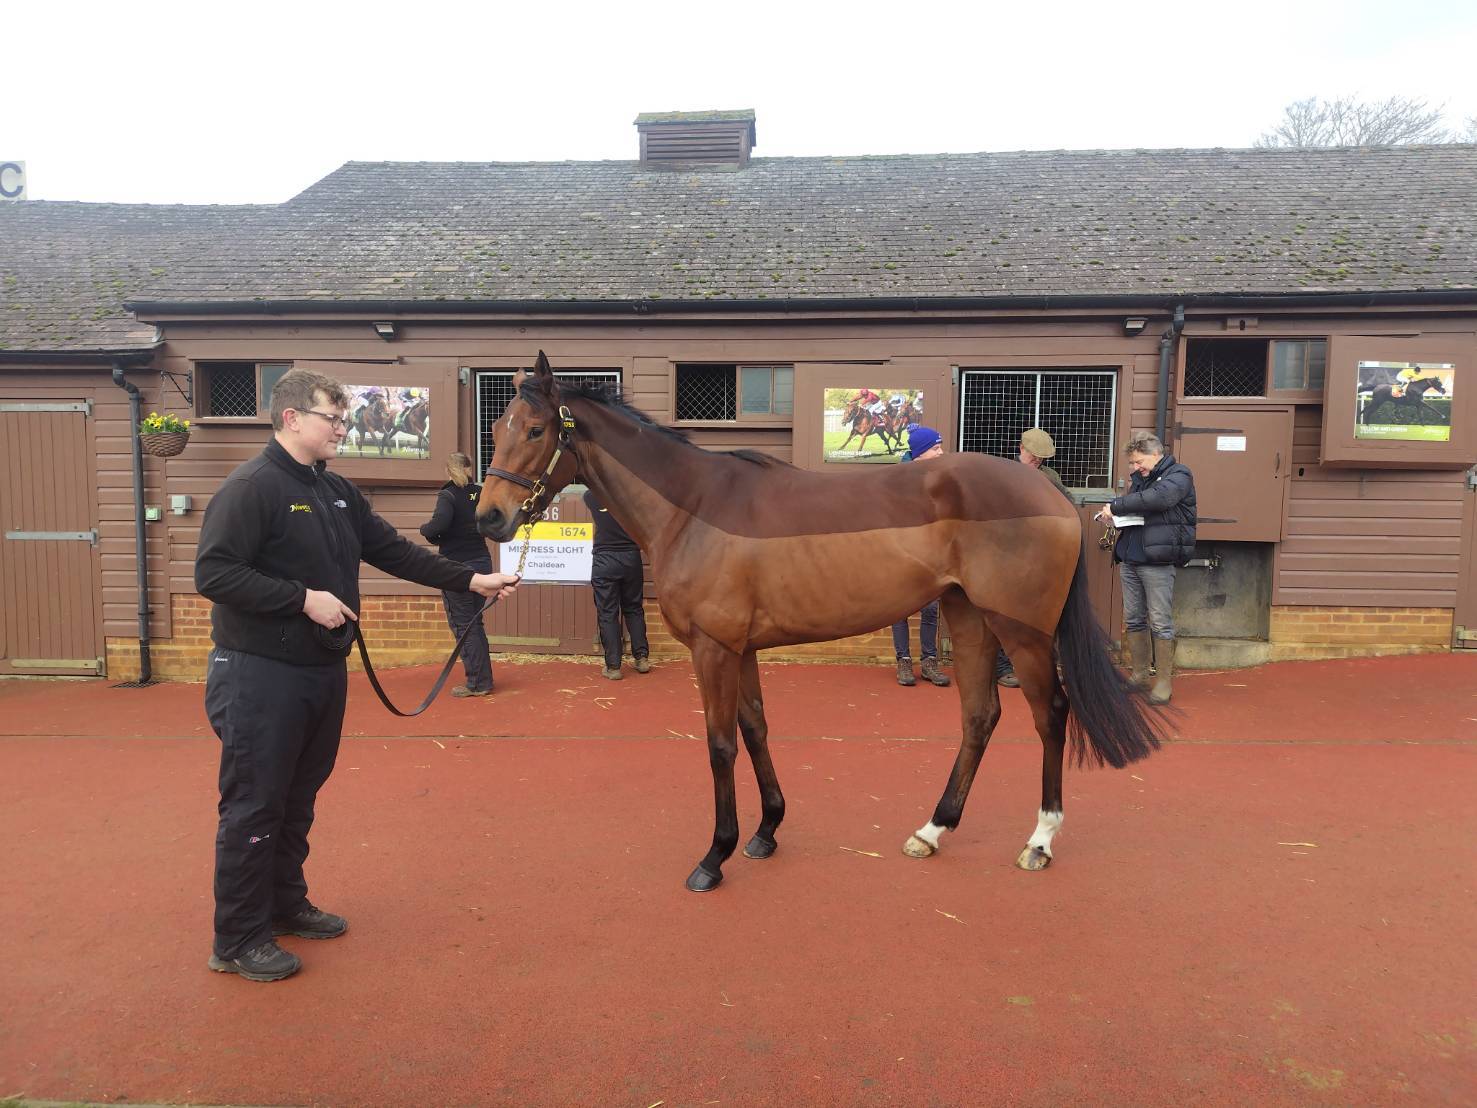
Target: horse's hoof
<point x="918" y="848"/>
<point x="1033" y="858"/>
<point x="701" y="881"/>
<point x="758" y="847"/>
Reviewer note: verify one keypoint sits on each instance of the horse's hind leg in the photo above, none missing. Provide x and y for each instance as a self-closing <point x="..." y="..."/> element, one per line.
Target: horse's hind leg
<point x="718" y="678"/>
<point x="1035" y="666"/>
<point x="756" y="740"/>
<point x="979" y="700"/>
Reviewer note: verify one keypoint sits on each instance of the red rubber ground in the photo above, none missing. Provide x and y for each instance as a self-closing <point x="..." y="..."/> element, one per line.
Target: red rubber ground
<point x="520" y="933"/>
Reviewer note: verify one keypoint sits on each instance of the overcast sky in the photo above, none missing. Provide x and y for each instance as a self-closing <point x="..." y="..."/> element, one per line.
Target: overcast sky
<point x="210" y="102"/>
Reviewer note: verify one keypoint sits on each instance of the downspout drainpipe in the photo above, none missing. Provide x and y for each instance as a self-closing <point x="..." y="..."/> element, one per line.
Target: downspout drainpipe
<point x="1166" y="354"/>
<point x="135" y="414"/>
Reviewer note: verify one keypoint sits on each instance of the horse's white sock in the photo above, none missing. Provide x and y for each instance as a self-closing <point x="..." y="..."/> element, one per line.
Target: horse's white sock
<point x="1047" y="825"/>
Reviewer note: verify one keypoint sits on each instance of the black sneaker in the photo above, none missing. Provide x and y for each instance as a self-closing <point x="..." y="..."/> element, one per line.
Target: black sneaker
<point x="268" y="962"/>
<point x="311" y="923"/>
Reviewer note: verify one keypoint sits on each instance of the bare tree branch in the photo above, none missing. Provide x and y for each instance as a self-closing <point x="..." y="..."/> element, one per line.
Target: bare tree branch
<point x="1346" y="121"/>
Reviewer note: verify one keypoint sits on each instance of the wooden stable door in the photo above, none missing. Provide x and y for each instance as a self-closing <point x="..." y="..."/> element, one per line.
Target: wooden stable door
<point x="1240" y="460"/>
<point x="49" y="569"/>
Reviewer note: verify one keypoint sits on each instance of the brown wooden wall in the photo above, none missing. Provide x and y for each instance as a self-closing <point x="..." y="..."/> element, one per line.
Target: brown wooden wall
<point x="1401" y="532"/>
<point x="1352" y="537"/>
<point x="1365" y="537"/>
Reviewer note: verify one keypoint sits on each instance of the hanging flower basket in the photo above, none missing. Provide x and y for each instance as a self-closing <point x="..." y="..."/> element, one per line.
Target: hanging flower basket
<point x="164" y="444"/>
<point x="164" y="436"/>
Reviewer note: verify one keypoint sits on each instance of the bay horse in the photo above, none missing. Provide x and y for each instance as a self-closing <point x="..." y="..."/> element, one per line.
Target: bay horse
<point x="749" y="552"/>
<point x="900" y="419"/>
<point x="415" y="421"/>
<point x="374" y="419"/>
<point x="865" y="423"/>
<point x="1415" y="397"/>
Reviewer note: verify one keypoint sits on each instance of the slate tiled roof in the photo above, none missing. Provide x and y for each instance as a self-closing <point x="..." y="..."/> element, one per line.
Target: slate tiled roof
<point x="66" y="268"/>
<point x="1056" y="223"/>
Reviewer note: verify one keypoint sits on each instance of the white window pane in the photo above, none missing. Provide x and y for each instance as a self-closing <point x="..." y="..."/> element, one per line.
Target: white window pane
<point x="784" y="390"/>
<point x="754" y="390"/>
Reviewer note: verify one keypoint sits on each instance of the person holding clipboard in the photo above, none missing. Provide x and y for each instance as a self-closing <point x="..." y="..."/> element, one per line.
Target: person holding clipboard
<point x="1156" y="535"/>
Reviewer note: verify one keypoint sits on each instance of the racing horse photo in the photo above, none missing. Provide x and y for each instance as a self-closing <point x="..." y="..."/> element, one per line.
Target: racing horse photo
<point x="749" y="552"/>
<point x="864" y="422"/>
<point x="1413" y="397"/>
<point x="373" y="420"/>
<point x="415" y="422"/>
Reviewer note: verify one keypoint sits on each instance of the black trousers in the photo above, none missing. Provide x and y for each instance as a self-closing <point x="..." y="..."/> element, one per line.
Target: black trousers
<point x="279" y="726"/>
<point x="616" y="579"/>
<point x="463" y="608"/>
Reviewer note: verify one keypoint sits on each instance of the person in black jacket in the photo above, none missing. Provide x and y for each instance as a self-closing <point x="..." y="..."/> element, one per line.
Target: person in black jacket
<point x="453" y="527"/>
<point x="1163" y="492"/>
<point x="279" y="556"/>
<point x="615" y="576"/>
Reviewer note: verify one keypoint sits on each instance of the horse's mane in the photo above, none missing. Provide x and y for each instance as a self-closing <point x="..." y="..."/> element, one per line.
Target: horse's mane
<point x="609" y="395"/>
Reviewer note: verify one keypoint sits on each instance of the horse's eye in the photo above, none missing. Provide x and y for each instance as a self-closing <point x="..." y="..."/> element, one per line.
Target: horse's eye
<point x="536" y="433"/>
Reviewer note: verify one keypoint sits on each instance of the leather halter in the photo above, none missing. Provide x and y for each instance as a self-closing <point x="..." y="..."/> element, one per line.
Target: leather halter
<point x="538" y="488"/>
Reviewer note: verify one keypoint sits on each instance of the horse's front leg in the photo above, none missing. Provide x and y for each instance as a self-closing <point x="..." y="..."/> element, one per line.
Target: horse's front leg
<point x="975" y="647"/>
<point x="755" y="731"/>
<point x="718" y="679"/>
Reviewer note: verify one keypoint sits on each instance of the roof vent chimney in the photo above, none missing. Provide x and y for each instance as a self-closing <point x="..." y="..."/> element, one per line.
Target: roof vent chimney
<point x="685" y="139"/>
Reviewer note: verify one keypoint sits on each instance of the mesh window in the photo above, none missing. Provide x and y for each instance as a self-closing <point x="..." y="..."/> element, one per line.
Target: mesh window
<point x="495" y="391"/>
<point x="232" y="389"/>
<point x="1225" y="367"/>
<point x="706" y="392"/>
<point x="1076" y="408"/>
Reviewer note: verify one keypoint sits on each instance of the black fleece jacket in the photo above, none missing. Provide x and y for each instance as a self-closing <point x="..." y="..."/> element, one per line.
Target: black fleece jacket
<point x="277" y="528"/>
<point x="453" y="525"/>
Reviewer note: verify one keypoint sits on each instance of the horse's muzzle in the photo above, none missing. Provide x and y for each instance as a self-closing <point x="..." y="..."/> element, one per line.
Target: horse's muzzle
<point x="494" y="524"/>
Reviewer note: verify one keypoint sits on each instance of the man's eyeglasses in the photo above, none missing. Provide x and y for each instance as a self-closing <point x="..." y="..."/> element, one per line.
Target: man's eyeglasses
<point x="337" y="422"/>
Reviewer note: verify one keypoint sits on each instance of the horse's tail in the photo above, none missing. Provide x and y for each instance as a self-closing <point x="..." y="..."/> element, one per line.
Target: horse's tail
<point x="1110" y="721"/>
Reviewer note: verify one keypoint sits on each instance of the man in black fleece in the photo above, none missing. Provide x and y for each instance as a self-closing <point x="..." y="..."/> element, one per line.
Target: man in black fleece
<point x="279" y="556"/>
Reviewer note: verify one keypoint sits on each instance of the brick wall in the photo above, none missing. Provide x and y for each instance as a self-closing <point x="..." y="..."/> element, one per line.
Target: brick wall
<point x="411" y="630"/>
<point x="1315" y="631"/>
<point x="404" y="631"/>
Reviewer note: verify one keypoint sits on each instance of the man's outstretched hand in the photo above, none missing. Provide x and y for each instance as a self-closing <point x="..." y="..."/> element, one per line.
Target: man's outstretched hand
<point x="499" y="585"/>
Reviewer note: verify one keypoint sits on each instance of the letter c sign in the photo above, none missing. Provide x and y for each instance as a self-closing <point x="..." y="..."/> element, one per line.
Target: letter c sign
<point x="12" y="180"/>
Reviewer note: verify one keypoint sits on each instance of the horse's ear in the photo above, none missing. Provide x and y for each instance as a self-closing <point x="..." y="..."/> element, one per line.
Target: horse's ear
<point x="541" y="367"/>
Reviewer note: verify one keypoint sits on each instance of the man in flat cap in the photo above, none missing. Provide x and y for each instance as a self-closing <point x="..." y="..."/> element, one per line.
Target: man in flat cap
<point x="1036" y="447"/>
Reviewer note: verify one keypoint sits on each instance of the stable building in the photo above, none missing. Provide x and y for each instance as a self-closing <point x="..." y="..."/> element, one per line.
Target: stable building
<point x="1248" y="305"/>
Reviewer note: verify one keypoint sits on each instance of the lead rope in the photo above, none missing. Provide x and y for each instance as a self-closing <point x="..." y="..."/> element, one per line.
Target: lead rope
<point x="456" y="650"/>
<point x="533" y="513"/>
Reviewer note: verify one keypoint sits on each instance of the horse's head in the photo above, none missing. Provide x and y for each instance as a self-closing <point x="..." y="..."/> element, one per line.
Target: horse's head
<point x="532" y="457"/>
<point x="1429" y="384"/>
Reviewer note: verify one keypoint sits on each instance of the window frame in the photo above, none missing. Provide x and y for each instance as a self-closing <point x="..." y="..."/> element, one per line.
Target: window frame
<point x="201" y="370"/>
<point x="1269" y="394"/>
<point x="769" y="419"/>
<point x="1113" y="372"/>
<point x="1307" y="393"/>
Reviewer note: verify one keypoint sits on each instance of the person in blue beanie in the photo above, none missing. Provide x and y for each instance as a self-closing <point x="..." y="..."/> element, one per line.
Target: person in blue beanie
<point x="923" y="443"/>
